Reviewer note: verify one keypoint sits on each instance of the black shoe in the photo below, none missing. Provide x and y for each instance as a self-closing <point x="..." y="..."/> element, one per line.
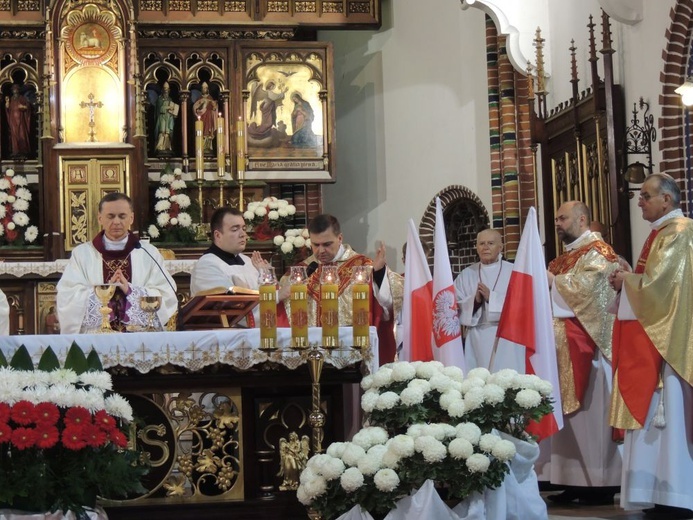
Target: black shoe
<point x="661" y="512"/>
<point x="566" y="497"/>
<point x="597" y="500"/>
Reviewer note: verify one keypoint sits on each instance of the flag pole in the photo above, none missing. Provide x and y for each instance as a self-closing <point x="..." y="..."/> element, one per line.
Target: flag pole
<point x="493" y="353"/>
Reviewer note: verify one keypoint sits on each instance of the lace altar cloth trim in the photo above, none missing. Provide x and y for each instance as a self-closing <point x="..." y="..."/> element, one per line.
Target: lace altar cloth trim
<point x="194" y="350"/>
<point x="20" y="269"/>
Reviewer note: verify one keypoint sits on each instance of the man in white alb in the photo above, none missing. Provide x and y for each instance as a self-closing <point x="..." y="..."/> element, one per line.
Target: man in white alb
<point x="115" y="256"/>
<point x="480" y="290"/>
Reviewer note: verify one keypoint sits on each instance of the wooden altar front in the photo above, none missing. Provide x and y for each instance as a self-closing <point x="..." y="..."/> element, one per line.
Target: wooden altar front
<point x="212" y="411"/>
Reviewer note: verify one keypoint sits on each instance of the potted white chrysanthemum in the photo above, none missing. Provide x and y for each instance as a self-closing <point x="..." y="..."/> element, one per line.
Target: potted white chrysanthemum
<point x="14" y="207"/>
<point x="174" y="209"/>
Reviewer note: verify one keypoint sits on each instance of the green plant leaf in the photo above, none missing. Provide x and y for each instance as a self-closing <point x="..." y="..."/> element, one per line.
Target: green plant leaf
<point x="3" y="360"/>
<point x="94" y="362"/>
<point x="22" y="360"/>
<point x="49" y="361"/>
<point x="76" y="360"/>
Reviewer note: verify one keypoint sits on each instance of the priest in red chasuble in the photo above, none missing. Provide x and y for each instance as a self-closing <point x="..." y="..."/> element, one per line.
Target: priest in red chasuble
<point x="328" y="248"/>
<point x="583" y="455"/>
<point x="653" y="359"/>
<point x="114" y="256"/>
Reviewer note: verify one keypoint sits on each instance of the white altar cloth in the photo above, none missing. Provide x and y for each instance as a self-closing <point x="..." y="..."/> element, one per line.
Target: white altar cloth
<point x="193" y="350"/>
<point x="44" y="269"/>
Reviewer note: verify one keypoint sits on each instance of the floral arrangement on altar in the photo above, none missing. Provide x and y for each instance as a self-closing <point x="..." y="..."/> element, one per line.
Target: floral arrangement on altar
<point x="268" y="218"/>
<point x="14" y="204"/>
<point x="62" y="435"/>
<point x="293" y="245"/>
<point x="173" y="218"/>
<point x="425" y="422"/>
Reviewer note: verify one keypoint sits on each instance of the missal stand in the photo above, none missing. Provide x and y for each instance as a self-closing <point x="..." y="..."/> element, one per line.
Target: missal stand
<point x="217" y="309"/>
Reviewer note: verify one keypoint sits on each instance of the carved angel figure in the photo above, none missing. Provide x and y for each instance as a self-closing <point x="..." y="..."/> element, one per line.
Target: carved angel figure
<point x="293" y="455"/>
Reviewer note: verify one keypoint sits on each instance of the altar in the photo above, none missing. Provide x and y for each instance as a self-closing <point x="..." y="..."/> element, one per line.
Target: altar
<point x="213" y="410"/>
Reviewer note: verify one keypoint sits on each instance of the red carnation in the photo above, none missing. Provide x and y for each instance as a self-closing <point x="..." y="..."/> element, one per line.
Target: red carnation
<point x="73" y="438"/>
<point x="47" y="437"/>
<point x="94" y="436"/>
<point x="77" y="416"/>
<point x="24" y="438"/>
<point x="118" y="438"/>
<point x="106" y="422"/>
<point x="23" y="413"/>
<point x="47" y="414"/>
<point x="4" y="412"/>
<point x="5" y="432"/>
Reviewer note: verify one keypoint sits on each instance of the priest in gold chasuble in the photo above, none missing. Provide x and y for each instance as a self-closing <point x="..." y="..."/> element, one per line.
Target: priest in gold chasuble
<point x="653" y="358"/>
<point x="387" y="286"/>
<point x="583" y="454"/>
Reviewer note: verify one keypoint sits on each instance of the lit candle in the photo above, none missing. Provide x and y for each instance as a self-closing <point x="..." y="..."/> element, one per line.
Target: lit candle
<point x="199" y="149"/>
<point x="299" y="315"/>
<point x="268" y="316"/>
<point x="240" y="148"/>
<point x="361" y="301"/>
<point x="329" y="306"/>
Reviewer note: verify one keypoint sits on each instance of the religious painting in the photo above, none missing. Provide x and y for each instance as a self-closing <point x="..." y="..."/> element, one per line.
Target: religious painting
<point x="288" y="111"/>
<point x="47" y="316"/>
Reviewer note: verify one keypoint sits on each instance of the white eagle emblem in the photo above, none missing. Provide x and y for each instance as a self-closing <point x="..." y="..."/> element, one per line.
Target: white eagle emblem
<point x="446" y="324"/>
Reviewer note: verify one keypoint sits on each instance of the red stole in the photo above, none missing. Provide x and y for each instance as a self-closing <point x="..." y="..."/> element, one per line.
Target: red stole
<point x="635" y="357"/>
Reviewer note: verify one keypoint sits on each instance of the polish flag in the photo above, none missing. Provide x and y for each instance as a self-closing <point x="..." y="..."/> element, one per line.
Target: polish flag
<point x="526" y="320"/>
<point x="447" y="333"/>
<point x="417" y="314"/>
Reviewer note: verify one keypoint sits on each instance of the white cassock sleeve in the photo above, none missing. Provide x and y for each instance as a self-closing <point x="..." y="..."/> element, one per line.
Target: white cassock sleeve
<point x="77" y="303"/>
<point x="383" y="293"/>
<point x="4" y="315"/>
<point x="465" y="290"/>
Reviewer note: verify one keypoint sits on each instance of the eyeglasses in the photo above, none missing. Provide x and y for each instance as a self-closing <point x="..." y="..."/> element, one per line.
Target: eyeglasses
<point x="647" y="196"/>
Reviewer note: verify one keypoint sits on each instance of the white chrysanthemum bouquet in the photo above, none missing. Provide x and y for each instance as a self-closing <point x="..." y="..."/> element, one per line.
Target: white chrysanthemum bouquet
<point x="269" y="217"/>
<point x="293" y="245"/>
<point x="172" y="207"/>
<point x="14" y="205"/>
<point x="426" y="421"/>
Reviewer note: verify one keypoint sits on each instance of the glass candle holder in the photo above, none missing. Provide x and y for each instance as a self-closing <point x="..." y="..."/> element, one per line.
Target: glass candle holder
<point x="329" y="306"/>
<point x="299" y="307"/>
<point x="361" y="305"/>
<point x="268" y="308"/>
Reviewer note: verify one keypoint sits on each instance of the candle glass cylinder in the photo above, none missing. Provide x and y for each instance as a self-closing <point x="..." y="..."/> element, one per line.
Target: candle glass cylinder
<point x="361" y="305"/>
<point x="268" y="308"/>
<point x="329" y="306"/>
<point x="299" y="307"/>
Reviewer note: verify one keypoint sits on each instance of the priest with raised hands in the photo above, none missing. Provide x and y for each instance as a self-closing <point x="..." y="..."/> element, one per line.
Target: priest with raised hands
<point x="115" y="256"/>
<point x="326" y="242"/>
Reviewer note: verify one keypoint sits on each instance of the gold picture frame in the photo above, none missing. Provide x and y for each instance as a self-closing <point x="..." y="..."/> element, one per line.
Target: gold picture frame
<point x="287" y="111"/>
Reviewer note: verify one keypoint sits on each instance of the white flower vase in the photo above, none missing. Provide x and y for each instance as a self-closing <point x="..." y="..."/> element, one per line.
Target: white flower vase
<point x="423" y="503"/>
<point x="517" y="498"/>
<point x="356" y="513"/>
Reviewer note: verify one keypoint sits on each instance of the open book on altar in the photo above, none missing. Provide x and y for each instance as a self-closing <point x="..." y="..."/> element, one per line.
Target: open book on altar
<point x="219" y="308"/>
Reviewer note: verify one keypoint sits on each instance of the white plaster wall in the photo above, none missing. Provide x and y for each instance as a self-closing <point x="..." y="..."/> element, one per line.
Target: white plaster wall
<point x="412" y="119"/>
<point x="411" y="106"/>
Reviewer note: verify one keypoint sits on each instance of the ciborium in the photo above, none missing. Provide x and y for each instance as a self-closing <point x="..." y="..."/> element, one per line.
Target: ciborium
<point x="150" y="305"/>
<point x="104" y="292"/>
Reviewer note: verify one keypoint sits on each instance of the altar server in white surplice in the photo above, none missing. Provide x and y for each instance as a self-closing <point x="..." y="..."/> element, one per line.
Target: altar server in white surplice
<point x="4" y="315"/>
<point x="114" y="256"/>
<point x="480" y="290"/>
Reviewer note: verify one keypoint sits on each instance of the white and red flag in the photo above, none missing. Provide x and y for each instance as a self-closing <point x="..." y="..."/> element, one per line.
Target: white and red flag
<point x="526" y="320"/>
<point x="417" y="316"/>
<point x="447" y="333"/>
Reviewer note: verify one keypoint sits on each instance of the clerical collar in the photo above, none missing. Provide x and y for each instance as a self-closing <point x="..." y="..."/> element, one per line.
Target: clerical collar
<point x="495" y="263"/>
<point x="661" y="220"/>
<point x="115" y="245"/>
<point x="574" y="243"/>
<point x="227" y="257"/>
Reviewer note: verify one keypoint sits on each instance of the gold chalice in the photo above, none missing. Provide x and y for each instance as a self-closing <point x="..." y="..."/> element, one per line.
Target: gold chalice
<point x="150" y="305"/>
<point x="104" y="292"/>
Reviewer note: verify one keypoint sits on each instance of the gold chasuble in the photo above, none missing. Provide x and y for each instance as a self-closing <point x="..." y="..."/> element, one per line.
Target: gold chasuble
<point x="582" y="280"/>
<point x="661" y="296"/>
